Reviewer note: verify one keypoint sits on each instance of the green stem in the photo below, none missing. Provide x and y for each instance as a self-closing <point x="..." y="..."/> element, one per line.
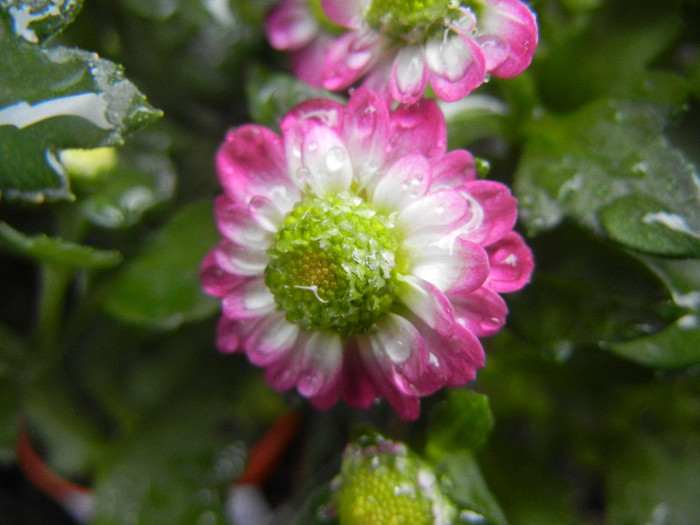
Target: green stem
<point x="54" y="283"/>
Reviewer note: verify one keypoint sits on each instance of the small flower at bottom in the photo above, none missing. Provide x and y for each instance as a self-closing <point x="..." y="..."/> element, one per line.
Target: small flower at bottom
<point x="359" y="259"/>
<point x="382" y="482"/>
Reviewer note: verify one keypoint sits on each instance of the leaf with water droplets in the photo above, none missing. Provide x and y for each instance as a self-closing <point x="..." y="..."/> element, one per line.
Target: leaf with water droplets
<point x="643" y="223"/>
<point x="602" y="166"/>
<point x="37" y="20"/>
<point x="57" y="98"/>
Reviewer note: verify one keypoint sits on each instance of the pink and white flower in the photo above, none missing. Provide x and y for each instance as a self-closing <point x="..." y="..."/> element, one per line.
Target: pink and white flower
<point x="360" y="259"/>
<point x="398" y="48"/>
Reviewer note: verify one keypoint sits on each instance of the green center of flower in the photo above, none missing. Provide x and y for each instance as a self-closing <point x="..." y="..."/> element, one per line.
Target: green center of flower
<point x="410" y="19"/>
<point x="333" y="265"/>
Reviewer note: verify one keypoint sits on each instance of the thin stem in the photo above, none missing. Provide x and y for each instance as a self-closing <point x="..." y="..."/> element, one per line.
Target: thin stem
<point x="54" y="284"/>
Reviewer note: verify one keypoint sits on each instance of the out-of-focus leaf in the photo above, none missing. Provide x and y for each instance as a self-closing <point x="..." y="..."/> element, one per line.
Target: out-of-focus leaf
<point x="593" y="56"/>
<point x="596" y="293"/>
<point x="654" y="481"/>
<point x="174" y="464"/>
<point x="272" y="95"/>
<point x="460" y="423"/>
<point x="56" y="251"/>
<point x="463" y="483"/>
<point x="141" y="178"/>
<point x="37" y="20"/>
<point x="678" y="345"/>
<point x="160" y="288"/>
<point x="57" y="98"/>
<point x="577" y="165"/>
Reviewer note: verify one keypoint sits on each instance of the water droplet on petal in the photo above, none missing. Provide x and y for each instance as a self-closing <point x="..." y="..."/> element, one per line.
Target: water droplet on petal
<point x="335" y="159"/>
<point x="303" y="175"/>
<point x="313" y="146"/>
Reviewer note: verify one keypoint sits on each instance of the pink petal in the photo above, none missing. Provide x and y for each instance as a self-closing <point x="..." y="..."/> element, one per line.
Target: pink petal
<point x="453" y="169"/>
<point x="345" y="13"/>
<point x="357" y="387"/>
<point x="297" y="123"/>
<point x="461" y="267"/>
<point x="417" y="128"/>
<point x="377" y="79"/>
<point x="511" y="264"/>
<point x="271" y="339"/>
<point x="431" y="217"/>
<point x="251" y="162"/>
<point x="407" y="406"/>
<point x="250" y="300"/>
<point x="307" y="62"/>
<point x="398" y="349"/>
<point x="483" y="311"/>
<point x="498" y="211"/>
<point x="240" y="260"/>
<point x="215" y="280"/>
<point x="507" y="36"/>
<point x="227" y="340"/>
<point x="409" y="75"/>
<point x="406" y="181"/>
<point x="452" y="361"/>
<point x="428" y="303"/>
<point x="291" y="25"/>
<point x="456" y="66"/>
<point x="366" y="133"/>
<point x="325" y="162"/>
<point x="322" y="363"/>
<point x="239" y="225"/>
<point x="350" y="57"/>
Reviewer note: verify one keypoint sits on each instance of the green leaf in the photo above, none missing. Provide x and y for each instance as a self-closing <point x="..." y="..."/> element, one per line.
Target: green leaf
<point x="160" y="288"/>
<point x="37" y="20"/>
<point x="463" y="482"/>
<point x="462" y="422"/>
<point x="678" y="345"/>
<point x="643" y="223"/>
<point x="611" y="155"/>
<point x="57" y="251"/>
<point x="675" y="347"/>
<point x="53" y="99"/>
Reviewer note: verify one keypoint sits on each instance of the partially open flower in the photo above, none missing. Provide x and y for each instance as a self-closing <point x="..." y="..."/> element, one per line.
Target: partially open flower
<point x="399" y="46"/>
<point x="359" y="259"/>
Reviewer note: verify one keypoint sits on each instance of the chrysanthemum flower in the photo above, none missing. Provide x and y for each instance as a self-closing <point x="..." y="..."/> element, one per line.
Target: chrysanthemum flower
<point x="399" y="46"/>
<point x="359" y="259"/>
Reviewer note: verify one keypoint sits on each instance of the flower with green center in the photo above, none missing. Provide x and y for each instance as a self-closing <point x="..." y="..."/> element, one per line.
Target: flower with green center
<point x="383" y="483"/>
<point x="399" y="46"/>
<point x="359" y="259"/>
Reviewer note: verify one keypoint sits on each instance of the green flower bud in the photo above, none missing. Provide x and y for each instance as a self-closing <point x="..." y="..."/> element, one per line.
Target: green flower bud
<point x="383" y="483"/>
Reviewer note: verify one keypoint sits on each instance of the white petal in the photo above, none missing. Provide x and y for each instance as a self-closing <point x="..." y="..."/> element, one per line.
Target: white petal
<point x="428" y="303"/>
<point x="322" y="364"/>
<point x="325" y="162"/>
<point x="405" y="182"/>
<point x="271" y="340"/>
